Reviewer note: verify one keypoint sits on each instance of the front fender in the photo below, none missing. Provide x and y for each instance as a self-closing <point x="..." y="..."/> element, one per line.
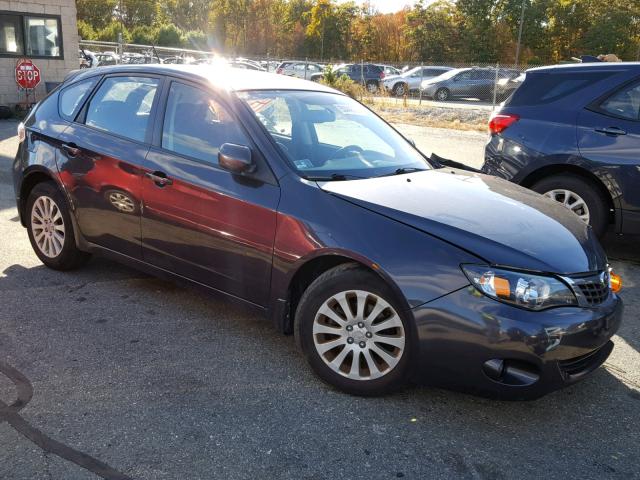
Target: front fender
<point x="418" y="266"/>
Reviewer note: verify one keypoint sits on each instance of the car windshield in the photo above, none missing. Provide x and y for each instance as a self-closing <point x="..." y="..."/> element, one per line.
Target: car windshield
<point x="331" y="136"/>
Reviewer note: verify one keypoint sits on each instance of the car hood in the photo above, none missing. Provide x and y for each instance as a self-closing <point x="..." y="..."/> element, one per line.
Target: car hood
<point x="497" y="221"/>
<point x="390" y="78"/>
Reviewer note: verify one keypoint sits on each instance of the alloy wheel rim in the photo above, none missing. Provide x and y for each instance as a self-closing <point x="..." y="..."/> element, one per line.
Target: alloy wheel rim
<point x="47" y="226"/>
<point x="442" y="95"/>
<point x="358" y="335"/>
<point x="122" y="202"/>
<point x="572" y="201"/>
<point x="372" y="88"/>
<point x="400" y="90"/>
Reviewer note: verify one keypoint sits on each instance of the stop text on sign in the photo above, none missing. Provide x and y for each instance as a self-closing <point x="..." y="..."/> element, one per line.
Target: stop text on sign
<point x="27" y="74"/>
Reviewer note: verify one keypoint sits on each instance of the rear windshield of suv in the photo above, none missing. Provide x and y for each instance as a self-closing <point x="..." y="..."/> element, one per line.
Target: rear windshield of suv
<point x="540" y="88"/>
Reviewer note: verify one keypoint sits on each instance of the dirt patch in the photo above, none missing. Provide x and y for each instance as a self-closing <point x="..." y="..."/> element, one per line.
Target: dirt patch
<point x="429" y="116"/>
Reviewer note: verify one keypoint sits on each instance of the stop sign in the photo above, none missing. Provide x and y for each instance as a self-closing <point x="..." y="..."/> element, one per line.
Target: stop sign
<point x="27" y="74"/>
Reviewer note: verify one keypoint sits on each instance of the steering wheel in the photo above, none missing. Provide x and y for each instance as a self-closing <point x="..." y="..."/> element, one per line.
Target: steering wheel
<point x="341" y="151"/>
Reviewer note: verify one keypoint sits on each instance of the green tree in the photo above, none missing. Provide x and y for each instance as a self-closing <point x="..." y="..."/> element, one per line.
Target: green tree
<point x="85" y="30"/>
<point x="144" y="35"/>
<point x="195" y="39"/>
<point x="433" y="32"/>
<point x="170" y="36"/>
<point x="111" y="31"/>
<point x="96" y="13"/>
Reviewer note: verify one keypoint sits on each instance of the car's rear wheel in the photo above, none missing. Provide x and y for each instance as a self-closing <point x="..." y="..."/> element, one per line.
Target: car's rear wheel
<point x="579" y="195"/>
<point x="50" y="229"/>
<point x="372" y="87"/>
<point x="442" y="94"/>
<point x="353" y="332"/>
<point x="400" y="89"/>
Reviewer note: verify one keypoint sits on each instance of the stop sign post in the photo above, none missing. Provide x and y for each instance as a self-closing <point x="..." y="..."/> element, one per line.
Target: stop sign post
<point x="27" y="74"/>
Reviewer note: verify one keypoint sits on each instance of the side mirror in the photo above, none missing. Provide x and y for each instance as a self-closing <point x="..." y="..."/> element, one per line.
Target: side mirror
<point x="236" y="158"/>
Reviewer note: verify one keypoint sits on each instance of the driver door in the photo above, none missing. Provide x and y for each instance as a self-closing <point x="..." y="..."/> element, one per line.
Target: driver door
<point x="201" y="221"/>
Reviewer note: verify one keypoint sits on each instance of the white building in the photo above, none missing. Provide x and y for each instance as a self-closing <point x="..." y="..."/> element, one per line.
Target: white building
<point x="43" y="31"/>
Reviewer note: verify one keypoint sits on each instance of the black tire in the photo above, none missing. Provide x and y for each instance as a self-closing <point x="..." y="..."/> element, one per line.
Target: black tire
<point x="587" y="190"/>
<point x="342" y="278"/>
<point x="400" y="89"/>
<point x="69" y="256"/>
<point x="442" y="95"/>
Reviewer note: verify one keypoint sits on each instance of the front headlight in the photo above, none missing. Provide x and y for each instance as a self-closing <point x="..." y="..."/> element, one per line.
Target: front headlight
<point x="527" y="290"/>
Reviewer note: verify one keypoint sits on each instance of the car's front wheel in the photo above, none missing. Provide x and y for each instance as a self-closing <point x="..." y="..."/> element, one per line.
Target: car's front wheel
<point x="353" y="332"/>
<point x="372" y="87"/>
<point x="579" y="195"/>
<point x="50" y="229"/>
<point x="400" y="89"/>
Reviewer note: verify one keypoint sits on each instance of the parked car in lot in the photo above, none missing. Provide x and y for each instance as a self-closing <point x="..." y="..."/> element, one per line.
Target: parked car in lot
<point x="507" y="85"/>
<point x="299" y="69"/>
<point x="465" y="83"/>
<point x="293" y="199"/>
<point x="572" y="133"/>
<point x="411" y="80"/>
<point x="246" y="65"/>
<point x="367" y="74"/>
<point x="390" y="70"/>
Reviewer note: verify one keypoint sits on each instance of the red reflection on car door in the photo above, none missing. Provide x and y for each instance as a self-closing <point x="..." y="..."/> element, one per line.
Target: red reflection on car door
<point x="209" y="225"/>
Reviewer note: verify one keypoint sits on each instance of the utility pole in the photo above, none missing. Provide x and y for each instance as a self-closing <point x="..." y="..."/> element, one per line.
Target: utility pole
<point x="520" y="33"/>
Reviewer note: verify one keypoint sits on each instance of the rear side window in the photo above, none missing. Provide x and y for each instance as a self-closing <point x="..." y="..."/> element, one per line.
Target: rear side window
<point x="541" y="88"/>
<point x="624" y="103"/>
<point x="122" y="105"/>
<point x="72" y="96"/>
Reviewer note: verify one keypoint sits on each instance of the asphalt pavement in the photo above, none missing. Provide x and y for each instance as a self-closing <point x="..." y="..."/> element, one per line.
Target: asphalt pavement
<point x="111" y="371"/>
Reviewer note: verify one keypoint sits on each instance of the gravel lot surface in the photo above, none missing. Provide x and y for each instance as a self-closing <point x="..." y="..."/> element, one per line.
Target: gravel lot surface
<point x="137" y="378"/>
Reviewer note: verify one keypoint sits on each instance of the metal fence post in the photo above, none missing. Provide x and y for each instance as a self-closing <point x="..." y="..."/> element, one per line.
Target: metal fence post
<point x="420" y="86"/>
<point x="306" y="66"/>
<point x="495" y="86"/>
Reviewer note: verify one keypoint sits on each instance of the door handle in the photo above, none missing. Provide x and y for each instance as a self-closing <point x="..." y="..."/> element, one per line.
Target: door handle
<point x="611" y="131"/>
<point x="71" y="149"/>
<point x="159" y="178"/>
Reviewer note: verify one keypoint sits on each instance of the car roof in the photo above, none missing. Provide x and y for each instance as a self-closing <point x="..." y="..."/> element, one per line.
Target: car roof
<point x="218" y="75"/>
<point x="589" y="66"/>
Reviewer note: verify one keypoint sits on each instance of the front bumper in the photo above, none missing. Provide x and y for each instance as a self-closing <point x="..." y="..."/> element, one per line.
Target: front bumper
<point x="469" y="342"/>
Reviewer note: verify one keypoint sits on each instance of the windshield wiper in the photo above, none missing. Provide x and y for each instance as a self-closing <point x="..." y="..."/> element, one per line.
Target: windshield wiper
<point x="330" y="178"/>
<point x="401" y="171"/>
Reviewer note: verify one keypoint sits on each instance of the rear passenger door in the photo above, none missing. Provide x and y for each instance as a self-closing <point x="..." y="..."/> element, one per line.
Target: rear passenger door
<point x="608" y="134"/>
<point x="103" y="151"/>
<point x="201" y="221"/>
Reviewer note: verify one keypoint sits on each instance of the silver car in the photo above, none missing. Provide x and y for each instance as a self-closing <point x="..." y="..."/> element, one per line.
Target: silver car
<point x="410" y="80"/>
<point x="299" y="69"/>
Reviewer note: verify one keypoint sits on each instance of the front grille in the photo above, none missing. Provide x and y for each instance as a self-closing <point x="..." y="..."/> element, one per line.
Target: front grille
<point x="594" y="290"/>
<point x="594" y="293"/>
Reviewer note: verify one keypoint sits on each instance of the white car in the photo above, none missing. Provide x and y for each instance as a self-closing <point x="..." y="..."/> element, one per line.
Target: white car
<point x="410" y="80"/>
<point x="302" y="70"/>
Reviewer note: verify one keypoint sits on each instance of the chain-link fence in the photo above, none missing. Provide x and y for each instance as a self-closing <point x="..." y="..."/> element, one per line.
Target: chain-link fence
<point x="412" y="83"/>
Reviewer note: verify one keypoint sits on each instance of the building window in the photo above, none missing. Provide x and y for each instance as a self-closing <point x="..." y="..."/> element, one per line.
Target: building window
<point x="11" y="38"/>
<point x="43" y="37"/>
<point x="30" y="35"/>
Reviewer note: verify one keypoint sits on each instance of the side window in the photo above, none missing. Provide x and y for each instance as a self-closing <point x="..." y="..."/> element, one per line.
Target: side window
<point x="465" y="76"/>
<point x="274" y="114"/>
<point x="72" y="96"/>
<point x="624" y="103"/>
<point x="195" y="124"/>
<point x="122" y="106"/>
